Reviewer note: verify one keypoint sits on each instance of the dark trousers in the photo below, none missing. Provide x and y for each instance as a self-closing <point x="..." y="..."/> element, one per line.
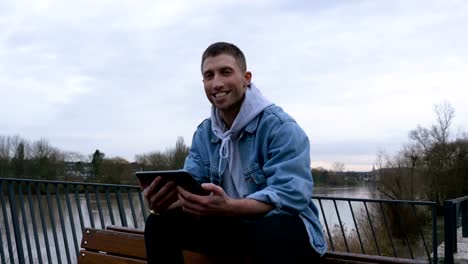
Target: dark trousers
<point x="275" y="239"/>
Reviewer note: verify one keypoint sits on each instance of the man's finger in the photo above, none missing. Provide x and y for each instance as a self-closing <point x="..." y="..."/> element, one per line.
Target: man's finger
<point x="152" y="188"/>
<point x="188" y="196"/>
<point x="168" y="199"/>
<point x="215" y="189"/>
<point x="192" y="208"/>
<point x="158" y="198"/>
<point x="175" y="205"/>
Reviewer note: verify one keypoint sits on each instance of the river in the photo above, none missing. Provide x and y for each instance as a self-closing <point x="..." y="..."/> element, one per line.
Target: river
<point x="361" y="191"/>
<point x="343" y="207"/>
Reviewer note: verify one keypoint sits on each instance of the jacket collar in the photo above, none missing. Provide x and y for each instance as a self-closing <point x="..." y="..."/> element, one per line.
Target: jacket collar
<point x="249" y="128"/>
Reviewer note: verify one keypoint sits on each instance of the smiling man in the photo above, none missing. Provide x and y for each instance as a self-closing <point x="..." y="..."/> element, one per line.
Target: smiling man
<point x="254" y="160"/>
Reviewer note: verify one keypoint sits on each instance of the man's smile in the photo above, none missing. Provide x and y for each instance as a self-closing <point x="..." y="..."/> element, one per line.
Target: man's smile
<point x="220" y="94"/>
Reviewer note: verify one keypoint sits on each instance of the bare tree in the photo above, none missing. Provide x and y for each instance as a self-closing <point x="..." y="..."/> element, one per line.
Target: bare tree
<point x="338" y="166"/>
<point x="116" y="170"/>
<point x="172" y="158"/>
<point x="48" y="161"/>
<point x="432" y="161"/>
<point x="72" y="156"/>
<point x="8" y="147"/>
<point x="444" y="117"/>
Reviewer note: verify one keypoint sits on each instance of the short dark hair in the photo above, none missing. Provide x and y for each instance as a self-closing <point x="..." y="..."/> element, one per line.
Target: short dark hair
<point x="219" y="48"/>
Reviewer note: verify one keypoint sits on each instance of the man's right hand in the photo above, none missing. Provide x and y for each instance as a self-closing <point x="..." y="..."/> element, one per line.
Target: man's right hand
<point x="161" y="196"/>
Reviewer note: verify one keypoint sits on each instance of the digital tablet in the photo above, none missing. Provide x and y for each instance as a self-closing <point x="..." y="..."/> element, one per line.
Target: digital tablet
<point x="179" y="177"/>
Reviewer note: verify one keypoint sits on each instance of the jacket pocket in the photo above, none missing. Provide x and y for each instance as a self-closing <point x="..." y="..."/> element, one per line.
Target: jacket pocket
<point x="255" y="175"/>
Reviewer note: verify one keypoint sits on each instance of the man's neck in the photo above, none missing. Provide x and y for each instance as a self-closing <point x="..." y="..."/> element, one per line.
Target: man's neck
<point x="228" y="118"/>
<point x="230" y="115"/>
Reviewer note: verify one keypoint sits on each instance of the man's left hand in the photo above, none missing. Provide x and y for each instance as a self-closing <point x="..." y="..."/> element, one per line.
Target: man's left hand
<point x="215" y="204"/>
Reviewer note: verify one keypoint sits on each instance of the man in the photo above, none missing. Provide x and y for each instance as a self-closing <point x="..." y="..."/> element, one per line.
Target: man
<point x="254" y="160"/>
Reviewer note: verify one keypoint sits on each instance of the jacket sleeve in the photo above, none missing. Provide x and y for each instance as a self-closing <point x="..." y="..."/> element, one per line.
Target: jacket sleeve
<point x="193" y="163"/>
<point x="287" y="170"/>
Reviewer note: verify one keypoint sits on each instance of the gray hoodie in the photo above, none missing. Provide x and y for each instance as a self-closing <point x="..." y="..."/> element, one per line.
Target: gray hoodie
<point x="231" y="178"/>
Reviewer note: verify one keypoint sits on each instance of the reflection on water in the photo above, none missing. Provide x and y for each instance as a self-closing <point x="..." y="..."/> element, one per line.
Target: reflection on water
<point x="361" y="191"/>
<point x="343" y="209"/>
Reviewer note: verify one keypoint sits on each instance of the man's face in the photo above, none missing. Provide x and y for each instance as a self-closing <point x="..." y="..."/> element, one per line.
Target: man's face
<point x="225" y="83"/>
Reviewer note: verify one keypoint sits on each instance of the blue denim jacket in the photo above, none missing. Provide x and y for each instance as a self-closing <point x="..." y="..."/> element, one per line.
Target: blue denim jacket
<point x="275" y="156"/>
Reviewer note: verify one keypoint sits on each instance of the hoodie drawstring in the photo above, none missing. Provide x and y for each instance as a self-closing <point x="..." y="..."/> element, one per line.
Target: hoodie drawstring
<point x="224" y="151"/>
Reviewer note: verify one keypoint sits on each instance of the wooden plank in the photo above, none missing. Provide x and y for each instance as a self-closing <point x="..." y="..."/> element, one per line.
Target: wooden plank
<point x="118" y="243"/>
<point x="346" y="257"/>
<point x="340" y="261"/>
<point x="88" y="257"/>
<point x="126" y="229"/>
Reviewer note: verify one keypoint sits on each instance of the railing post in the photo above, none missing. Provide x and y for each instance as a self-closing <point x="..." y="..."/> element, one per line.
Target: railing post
<point x="448" y="231"/>
<point x="15" y="222"/>
<point x="455" y="208"/>
<point x="434" y="234"/>
<point x="123" y="217"/>
<point x="464" y="209"/>
<point x="5" y="219"/>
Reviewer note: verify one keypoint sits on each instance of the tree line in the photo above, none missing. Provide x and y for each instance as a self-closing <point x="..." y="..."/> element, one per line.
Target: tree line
<point x="21" y="158"/>
<point x="432" y="166"/>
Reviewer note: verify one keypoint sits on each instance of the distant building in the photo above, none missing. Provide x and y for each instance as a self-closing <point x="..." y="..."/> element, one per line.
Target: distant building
<point x="83" y="170"/>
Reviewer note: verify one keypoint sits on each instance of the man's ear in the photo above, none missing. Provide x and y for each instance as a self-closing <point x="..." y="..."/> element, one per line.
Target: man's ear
<point x="247" y="78"/>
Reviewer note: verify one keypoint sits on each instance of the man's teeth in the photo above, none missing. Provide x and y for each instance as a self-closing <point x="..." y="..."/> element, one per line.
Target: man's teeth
<point x="220" y="94"/>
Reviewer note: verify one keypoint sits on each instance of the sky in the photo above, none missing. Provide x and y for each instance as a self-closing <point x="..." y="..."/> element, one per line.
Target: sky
<point x="124" y="76"/>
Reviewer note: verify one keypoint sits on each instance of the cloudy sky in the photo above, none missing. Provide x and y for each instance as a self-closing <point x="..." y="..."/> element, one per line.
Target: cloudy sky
<point x="124" y="76"/>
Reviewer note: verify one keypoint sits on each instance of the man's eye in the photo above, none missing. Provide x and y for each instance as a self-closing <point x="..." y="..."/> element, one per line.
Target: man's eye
<point x="227" y="72"/>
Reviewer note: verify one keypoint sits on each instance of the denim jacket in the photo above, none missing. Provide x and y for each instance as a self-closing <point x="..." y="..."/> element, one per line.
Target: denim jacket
<point x="275" y="158"/>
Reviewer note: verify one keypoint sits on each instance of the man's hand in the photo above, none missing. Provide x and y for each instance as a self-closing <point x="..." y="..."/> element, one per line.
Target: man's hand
<point x="215" y="204"/>
<point x="218" y="203"/>
<point x="161" y="196"/>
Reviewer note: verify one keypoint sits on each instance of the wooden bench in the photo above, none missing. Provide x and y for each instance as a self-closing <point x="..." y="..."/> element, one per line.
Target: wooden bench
<point x="121" y="245"/>
<point x="114" y="245"/>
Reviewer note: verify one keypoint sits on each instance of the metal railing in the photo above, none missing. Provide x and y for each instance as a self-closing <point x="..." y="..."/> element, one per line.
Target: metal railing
<point x="455" y="210"/>
<point x="394" y="228"/>
<point x="42" y="221"/>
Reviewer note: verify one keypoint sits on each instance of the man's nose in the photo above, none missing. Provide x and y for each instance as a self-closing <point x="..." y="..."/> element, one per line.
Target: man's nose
<point x="218" y="82"/>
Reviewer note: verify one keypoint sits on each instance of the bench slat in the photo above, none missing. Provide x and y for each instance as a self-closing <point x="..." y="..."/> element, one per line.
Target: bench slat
<point x="88" y="257"/>
<point x="126" y="230"/>
<point x="346" y="257"/>
<point x="116" y="243"/>
<point x="341" y="261"/>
